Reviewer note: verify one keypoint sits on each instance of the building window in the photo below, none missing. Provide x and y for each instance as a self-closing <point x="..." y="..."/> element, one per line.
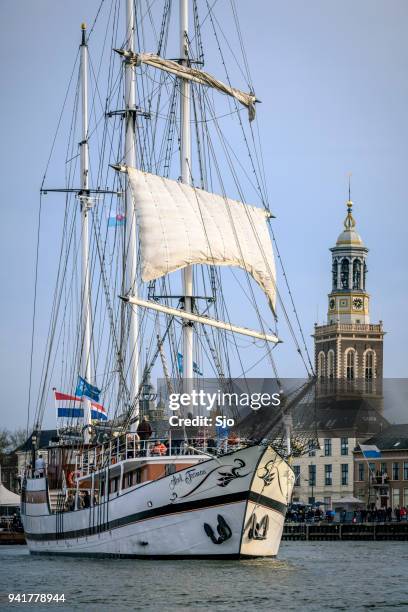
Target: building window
<point x="395" y="498"/>
<point x="327" y="447"/>
<point x="334" y="273"/>
<point x="395" y="471"/>
<point x="328" y="503"/>
<point x="369" y="365"/>
<point x="361" y="471"/>
<point x="312" y="448"/>
<point x="405" y="470"/>
<point x="405" y="498"/>
<point x="344" y="474"/>
<point x="350" y="364"/>
<point x="344" y="275"/>
<point x="321" y="365"/>
<point x="383" y="469"/>
<point x="312" y="475"/>
<point x="328" y="475"/>
<point x="330" y="364"/>
<point x="296" y="469"/>
<point x="344" y="446"/>
<point x="356" y="274"/>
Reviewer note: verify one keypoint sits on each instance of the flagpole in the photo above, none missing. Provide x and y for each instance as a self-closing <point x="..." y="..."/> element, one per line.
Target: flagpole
<point x="369" y="471"/>
<point x="56" y="410"/>
<point x="86" y="369"/>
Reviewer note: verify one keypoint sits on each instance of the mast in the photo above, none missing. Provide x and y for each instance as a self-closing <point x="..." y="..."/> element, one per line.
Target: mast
<point x="130" y="245"/>
<point x="185" y="163"/>
<point x="86" y="366"/>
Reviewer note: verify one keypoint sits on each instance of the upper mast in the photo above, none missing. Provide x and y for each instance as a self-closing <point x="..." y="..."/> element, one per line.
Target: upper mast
<point x="185" y="164"/>
<point x="86" y="369"/>
<point x="130" y="244"/>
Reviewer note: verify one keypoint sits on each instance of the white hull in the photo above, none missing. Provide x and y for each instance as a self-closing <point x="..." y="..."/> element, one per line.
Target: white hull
<point x="241" y="497"/>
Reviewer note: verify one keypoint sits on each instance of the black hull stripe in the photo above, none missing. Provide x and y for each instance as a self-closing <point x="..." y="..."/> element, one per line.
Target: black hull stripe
<point x="169" y="509"/>
<point x="234" y="556"/>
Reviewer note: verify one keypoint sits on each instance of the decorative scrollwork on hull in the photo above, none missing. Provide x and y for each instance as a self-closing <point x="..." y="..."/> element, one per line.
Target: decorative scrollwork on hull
<point x="227" y="477"/>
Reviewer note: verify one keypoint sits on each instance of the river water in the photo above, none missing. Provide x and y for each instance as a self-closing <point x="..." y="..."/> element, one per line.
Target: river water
<point x="307" y="576"/>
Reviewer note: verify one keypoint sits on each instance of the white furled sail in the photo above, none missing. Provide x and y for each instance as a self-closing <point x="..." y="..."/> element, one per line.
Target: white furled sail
<point x="181" y="225"/>
<point x="192" y="74"/>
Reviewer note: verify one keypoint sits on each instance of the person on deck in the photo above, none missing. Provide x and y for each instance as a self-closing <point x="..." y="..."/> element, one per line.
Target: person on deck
<point x="159" y="449"/>
<point x="144" y="431"/>
<point x="86" y="500"/>
<point x="39" y="466"/>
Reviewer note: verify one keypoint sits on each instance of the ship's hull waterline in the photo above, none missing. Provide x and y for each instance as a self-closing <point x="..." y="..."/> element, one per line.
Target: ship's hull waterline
<point x="231" y="506"/>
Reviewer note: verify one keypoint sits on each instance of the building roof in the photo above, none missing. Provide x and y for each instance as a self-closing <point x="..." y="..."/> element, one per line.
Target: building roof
<point x="393" y="438"/>
<point x="44" y="438"/>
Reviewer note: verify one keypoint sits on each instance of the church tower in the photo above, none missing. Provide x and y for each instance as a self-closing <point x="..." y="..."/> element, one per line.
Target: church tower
<point x="349" y="346"/>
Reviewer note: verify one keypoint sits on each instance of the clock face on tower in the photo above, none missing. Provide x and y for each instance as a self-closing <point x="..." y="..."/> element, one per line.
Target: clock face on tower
<point x="357" y="303"/>
<point x="332" y="304"/>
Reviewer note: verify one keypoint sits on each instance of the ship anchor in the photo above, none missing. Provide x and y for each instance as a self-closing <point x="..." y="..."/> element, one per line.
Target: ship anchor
<point x="224" y="531"/>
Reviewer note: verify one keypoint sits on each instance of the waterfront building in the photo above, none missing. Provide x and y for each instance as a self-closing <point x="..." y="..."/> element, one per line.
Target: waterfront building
<point x="384" y="481"/>
<point x="349" y="368"/>
<point x="326" y="472"/>
<point x="41" y="441"/>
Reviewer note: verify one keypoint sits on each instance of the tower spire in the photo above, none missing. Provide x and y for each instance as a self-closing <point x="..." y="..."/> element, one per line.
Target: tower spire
<point x="349" y="221"/>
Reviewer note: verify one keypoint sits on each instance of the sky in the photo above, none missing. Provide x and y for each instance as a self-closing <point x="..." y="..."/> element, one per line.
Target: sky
<point x="332" y="77"/>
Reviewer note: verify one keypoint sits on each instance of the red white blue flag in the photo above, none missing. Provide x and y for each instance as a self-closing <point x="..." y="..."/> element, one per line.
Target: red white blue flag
<point x="71" y="406"/>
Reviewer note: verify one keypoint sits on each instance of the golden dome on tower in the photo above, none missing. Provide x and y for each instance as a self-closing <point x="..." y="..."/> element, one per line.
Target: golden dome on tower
<point x="349" y="236"/>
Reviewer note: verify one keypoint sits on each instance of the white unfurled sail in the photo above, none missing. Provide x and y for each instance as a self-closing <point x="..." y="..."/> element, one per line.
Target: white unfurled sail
<point x="192" y="74"/>
<point x="181" y="225"/>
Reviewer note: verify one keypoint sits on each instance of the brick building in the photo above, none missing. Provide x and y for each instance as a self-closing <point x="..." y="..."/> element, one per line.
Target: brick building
<point x="384" y="481"/>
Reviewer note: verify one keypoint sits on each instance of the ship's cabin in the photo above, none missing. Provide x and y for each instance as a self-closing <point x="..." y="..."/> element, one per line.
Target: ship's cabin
<point x="90" y="476"/>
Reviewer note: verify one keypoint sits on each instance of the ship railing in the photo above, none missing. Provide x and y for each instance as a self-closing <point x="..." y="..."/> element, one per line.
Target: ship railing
<point x="130" y="446"/>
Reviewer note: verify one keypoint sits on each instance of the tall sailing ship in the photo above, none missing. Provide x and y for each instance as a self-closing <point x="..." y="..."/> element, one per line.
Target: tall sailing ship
<point x="163" y="236"/>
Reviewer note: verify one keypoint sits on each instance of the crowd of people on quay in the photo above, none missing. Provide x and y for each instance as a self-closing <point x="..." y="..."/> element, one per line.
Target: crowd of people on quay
<point x="380" y="515"/>
<point x="307" y="513"/>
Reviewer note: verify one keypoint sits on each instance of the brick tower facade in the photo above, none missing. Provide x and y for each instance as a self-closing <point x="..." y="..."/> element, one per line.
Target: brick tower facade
<point x="349" y="347"/>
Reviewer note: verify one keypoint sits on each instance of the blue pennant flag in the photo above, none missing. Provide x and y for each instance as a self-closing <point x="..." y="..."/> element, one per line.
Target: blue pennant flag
<point x="370" y="451"/>
<point x="196" y="368"/>
<point x="85" y="389"/>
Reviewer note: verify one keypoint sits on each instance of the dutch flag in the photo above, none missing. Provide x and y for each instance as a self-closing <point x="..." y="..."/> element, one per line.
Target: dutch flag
<point x="71" y="406"/>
